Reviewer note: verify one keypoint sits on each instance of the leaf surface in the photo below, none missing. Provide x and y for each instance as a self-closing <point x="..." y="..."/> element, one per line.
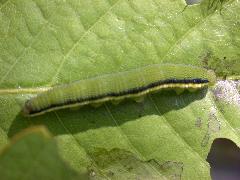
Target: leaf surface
<point x="33" y="153"/>
<point x="44" y="43"/>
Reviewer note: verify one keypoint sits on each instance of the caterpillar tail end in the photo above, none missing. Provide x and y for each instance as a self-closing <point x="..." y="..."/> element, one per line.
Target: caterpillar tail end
<point x="212" y="77"/>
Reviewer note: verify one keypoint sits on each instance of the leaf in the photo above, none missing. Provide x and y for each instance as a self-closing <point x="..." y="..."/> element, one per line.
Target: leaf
<point x="121" y="164"/>
<point x="31" y="154"/>
<point x="43" y="43"/>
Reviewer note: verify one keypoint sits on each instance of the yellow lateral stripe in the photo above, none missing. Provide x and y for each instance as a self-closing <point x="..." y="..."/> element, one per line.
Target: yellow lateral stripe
<point x="109" y="98"/>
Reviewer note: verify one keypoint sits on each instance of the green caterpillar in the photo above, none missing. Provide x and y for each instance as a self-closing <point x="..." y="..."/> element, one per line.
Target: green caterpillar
<point x="118" y="86"/>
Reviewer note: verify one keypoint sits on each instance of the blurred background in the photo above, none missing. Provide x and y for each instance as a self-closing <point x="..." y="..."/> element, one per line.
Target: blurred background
<point x="224" y="159"/>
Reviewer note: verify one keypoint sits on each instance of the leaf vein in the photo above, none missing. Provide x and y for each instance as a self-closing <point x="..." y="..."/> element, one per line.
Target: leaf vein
<point x="128" y="140"/>
<point x="77" y="42"/>
<point x="176" y="133"/>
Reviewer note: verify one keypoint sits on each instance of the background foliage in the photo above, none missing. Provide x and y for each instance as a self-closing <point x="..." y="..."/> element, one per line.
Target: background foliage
<point x="44" y="43"/>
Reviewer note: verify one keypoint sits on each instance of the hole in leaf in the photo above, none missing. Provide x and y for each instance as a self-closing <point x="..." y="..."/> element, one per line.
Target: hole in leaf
<point x="224" y="159"/>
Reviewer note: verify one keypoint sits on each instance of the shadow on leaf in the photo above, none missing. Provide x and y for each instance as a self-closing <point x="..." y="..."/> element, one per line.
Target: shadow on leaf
<point x="69" y="121"/>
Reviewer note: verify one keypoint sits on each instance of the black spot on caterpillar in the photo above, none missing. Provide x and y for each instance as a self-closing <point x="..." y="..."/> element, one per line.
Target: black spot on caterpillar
<point x="118" y="86"/>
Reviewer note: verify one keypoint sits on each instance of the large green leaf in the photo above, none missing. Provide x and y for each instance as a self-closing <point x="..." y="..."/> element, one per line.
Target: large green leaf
<point x="33" y="154"/>
<point x="43" y="43"/>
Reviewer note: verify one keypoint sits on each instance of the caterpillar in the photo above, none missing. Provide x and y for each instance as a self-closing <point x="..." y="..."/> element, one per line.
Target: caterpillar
<point x="118" y="86"/>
